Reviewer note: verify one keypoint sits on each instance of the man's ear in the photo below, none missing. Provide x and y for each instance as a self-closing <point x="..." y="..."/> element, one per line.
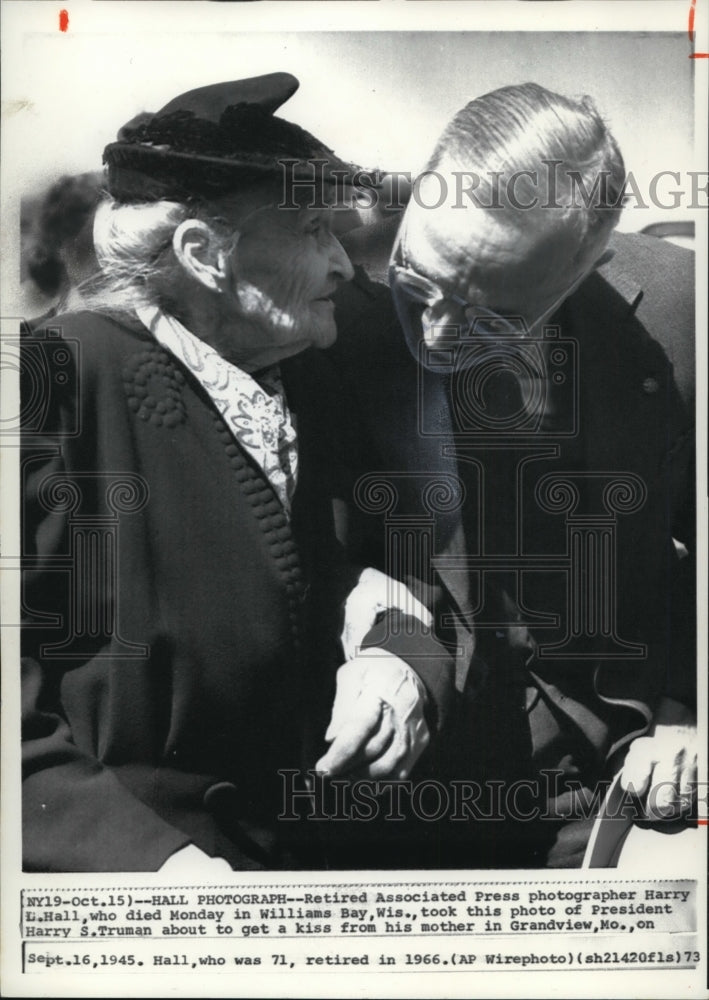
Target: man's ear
<point x="197" y="249"/>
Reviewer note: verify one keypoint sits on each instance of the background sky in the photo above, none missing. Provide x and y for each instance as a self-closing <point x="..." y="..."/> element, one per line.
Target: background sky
<point x="379" y="98"/>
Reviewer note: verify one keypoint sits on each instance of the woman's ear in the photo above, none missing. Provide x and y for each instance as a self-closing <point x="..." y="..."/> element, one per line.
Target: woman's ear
<point x="199" y="251"/>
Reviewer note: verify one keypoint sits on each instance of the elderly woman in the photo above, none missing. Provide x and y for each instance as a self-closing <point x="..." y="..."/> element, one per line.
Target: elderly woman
<point x="183" y="587"/>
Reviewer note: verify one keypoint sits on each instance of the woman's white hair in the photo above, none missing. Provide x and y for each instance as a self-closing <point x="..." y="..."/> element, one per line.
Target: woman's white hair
<point x="133" y="244"/>
<point x="134" y="249"/>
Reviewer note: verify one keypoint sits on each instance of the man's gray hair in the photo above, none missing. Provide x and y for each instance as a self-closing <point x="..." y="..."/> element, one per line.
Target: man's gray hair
<point x="573" y="162"/>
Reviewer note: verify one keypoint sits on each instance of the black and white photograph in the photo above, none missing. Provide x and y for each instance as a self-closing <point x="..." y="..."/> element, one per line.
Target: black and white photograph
<point x="354" y="498"/>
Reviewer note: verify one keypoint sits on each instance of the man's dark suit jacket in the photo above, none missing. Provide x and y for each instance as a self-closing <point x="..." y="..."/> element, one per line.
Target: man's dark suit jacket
<point x="629" y="331"/>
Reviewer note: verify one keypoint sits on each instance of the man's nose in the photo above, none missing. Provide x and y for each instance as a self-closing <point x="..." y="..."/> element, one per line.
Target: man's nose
<point x="443" y="320"/>
<point x="340" y="266"/>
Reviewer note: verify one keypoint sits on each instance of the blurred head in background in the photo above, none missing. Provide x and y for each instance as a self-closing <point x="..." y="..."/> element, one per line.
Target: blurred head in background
<point x="58" y="248"/>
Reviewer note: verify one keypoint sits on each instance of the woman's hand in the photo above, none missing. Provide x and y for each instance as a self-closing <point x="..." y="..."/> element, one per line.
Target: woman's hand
<point x="377" y="729"/>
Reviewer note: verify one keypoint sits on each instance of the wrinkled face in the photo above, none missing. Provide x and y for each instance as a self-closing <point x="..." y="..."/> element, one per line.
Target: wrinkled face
<point x="480" y="265"/>
<point x="285" y="268"/>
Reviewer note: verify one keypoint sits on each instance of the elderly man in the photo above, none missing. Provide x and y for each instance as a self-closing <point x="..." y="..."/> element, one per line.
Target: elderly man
<point x="549" y="369"/>
<point x="183" y="586"/>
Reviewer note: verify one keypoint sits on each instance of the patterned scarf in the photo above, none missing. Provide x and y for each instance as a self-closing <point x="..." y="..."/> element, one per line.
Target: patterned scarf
<point x="254" y="409"/>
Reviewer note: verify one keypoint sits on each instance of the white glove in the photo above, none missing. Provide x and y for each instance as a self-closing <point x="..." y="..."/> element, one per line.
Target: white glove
<point x="191" y="862"/>
<point x="665" y="766"/>
<point x="376" y="592"/>
<point x="377" y="726"/>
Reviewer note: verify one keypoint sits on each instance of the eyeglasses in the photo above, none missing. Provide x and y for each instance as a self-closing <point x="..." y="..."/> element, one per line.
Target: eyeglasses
<point x="417" y="299"/>
<point x="417" y="290"/>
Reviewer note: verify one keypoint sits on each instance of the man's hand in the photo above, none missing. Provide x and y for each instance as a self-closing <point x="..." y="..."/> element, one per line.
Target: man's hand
<point x="190" y="861"/>
<point x="377" y="727"/>
<point x="376" y="592"/>
<point x="663" y="766"/>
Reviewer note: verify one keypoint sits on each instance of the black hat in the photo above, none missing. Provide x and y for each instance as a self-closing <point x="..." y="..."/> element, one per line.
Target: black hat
<point x="214" y="140"/>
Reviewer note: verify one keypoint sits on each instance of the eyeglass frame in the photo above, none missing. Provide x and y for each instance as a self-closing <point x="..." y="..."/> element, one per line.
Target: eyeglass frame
<point x="397" y="270"/>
